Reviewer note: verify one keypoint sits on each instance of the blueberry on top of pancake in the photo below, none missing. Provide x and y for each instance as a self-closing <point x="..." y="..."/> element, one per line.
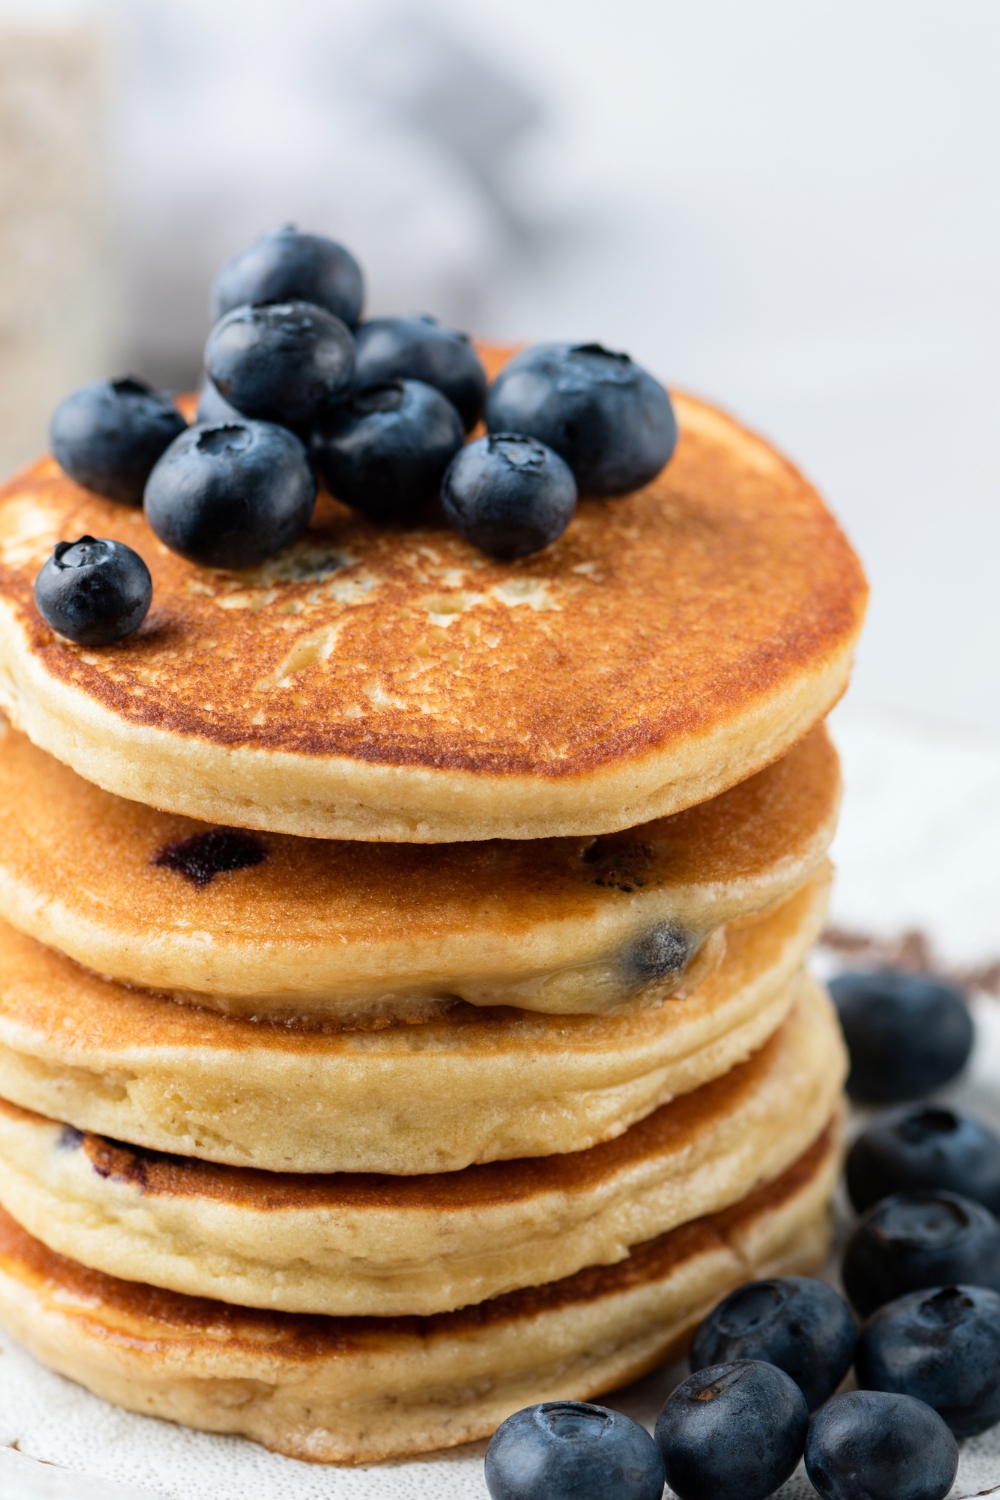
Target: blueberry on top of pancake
<point x="668" y="645"/>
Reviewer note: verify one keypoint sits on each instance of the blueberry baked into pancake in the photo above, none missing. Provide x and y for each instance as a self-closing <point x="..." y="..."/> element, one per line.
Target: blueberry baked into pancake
<point x="414" y="815"/>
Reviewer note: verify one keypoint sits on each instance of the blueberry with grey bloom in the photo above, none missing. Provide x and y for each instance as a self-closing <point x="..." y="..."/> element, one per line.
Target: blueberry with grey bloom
<point x="108" y="435"/>
<point x="290" y="362"/>
<point x="233" y="495"/>
<point x="871" y="1445"/>
<point x="421" y="349"/>
<point x="732" y="1432"/>
<point x="925" y="1146"/>
<point x="572" y="1450"/>
<point x="508" y="495"/>
<point x="385" y="453"/>
<point x="290" y="266"/>
<point x="941" y="1346"/>
<point x="605" y="415"/>
<point x="94" y="591"/>
<point x="795" y="1322"/>
<point x="920" y="1239"/>
<point x="659" y="953"/>
<point x="907" y="1035"/>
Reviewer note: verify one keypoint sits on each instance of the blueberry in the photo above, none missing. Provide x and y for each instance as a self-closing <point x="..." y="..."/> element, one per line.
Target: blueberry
<point x="571" y="1450"/>
<point x="925" y="1146"/>
<point x="794" y="1322"/>
<point x="508" y="495"/>
<point x="232" y="495"/>
<point x="732" y="1432"/>
<point x="907" y="1035"/>
<point x="289" y="362"/>
<point x="420" y="349"/>
<point x="920" y="1239"/>
<point x="942" y="1347"/>
<point x="289" y="266"/>
<point x="660" y="952"/>
<point x="94" y="591"/>
<point x="607" y="417"/>
<point x="387" y="452"/>
<point x="213" y="407"/>
<point x="869" y="1445"/>
<point x="108" y="435"/>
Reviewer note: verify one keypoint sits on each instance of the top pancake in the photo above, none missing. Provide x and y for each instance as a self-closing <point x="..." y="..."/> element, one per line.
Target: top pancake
<point x="380" y="684"/>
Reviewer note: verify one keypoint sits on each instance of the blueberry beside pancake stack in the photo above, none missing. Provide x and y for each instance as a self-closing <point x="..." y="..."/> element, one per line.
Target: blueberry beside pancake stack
<point x="403" y="1012"/>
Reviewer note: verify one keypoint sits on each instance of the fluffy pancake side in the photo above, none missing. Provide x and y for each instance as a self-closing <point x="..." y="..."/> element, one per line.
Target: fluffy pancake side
<point x="364" y="1245"/>
<point x="311" y="926"/>
<point x="383" y="685"/>
<point x="356" y="1390"/>
<point x="477" y="1086"/>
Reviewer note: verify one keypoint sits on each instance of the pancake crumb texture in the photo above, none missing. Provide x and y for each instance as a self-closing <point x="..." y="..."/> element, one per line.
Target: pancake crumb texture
<point x="357" y="1390"/>
<point x="332" y="928"/>
<point x="477" y="1086"/>
<point x="374" y="684"/>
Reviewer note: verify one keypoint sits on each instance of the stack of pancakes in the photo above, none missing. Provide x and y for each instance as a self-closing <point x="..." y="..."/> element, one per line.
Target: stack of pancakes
<point x="402" y="1006"/>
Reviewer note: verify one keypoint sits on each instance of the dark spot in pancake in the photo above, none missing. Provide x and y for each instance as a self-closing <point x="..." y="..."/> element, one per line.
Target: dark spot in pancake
<point x="205" y="855"/>
<point x="662" y="951"/>
<point x="70" y="1139"/>
<point x="620" y="866"/>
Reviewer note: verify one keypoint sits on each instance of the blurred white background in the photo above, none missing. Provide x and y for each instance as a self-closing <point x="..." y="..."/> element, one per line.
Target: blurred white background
<point x="792" y="207"/>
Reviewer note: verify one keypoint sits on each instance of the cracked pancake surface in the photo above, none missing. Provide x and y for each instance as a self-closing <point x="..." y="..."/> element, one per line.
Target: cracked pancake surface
<point x="380" y="684"/>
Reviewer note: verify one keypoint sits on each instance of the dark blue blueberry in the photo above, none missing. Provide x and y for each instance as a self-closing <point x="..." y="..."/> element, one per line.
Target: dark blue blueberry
<point x="387" y="452"/>
<point x="870" y="1445"/>
<point x="231" y="496"/>
<point x="942" y="1347"/>
<point x="608" y="418"/>
<point x="571" y="1450"/>
<point x="290" y="362"/>
<point x="213" y="407"/>
<point x="93" y="591"/>
<point x="925" y="1146"/>
<point x="202" y="856"/>
<point x="794" y="1322"/>
<point x="732" y="1432"/>
<point x="289" y="266"/>
<point x="906" y="1035"/>
<point x="664" y="950"/>
<point x="420" y="349"/>
<point x="508" y="495"/>
<point x="920" y="1239"/>
<point x="108" y="435"/>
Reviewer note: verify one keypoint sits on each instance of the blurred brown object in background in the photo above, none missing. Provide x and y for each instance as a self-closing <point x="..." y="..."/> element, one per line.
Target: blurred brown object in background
<point x="57" y="316"/>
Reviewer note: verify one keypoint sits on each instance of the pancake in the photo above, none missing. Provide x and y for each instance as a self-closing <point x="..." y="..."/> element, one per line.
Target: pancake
<point x="355" y="1390"/>
<point x="358" y="1244"/>
<point x="476" y="1086"/>
<point x="379" y="684"/>
<point x="339" y="928"/>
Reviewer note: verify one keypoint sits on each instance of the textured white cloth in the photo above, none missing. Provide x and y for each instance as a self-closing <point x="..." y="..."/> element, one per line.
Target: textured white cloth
<point x="917" y="847"/>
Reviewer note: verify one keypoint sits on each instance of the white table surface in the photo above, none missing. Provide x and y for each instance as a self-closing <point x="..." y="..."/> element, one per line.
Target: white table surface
<point x="918" y="848"/>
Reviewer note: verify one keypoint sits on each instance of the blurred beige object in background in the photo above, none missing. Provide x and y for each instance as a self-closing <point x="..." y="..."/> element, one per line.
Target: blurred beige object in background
<point x="57" y="313"/>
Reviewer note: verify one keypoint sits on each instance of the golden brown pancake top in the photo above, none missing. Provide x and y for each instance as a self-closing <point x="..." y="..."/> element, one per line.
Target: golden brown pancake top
<point x="655" y="617"/>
